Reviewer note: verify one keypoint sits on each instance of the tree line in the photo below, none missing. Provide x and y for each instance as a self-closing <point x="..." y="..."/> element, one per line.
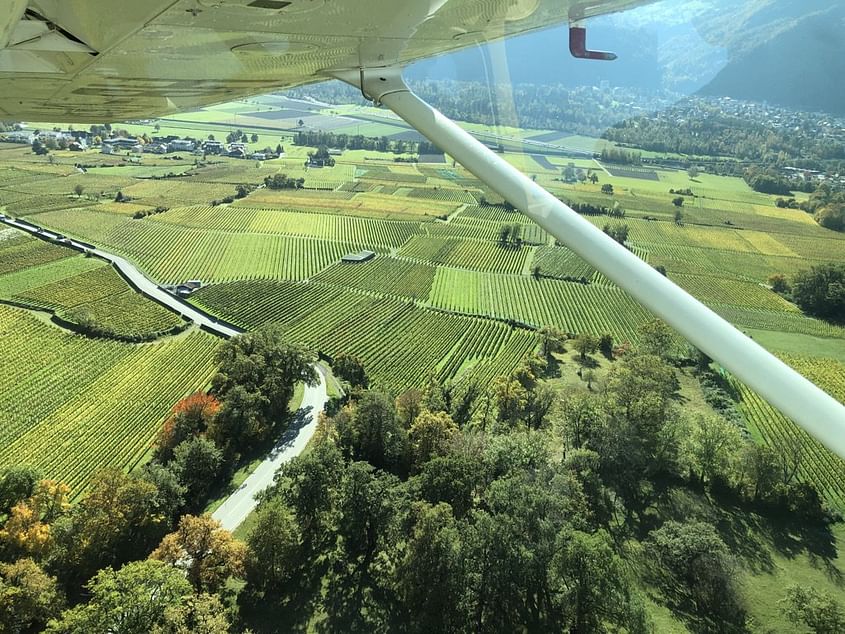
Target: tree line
<point x="541" y="107"/>
<point x="341" y="141"/>
<point x="819" y="291"/>
<point x="709" y="132"/>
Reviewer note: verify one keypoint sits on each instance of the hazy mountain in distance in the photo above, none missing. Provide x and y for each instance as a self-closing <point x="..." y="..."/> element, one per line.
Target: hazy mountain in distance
<point x="782" y="51"/>
<point x="791" y="54"/>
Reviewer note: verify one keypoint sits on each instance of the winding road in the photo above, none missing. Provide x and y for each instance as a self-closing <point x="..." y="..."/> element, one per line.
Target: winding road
<point x="142" y="283"/>
<point x="241" y="502"/>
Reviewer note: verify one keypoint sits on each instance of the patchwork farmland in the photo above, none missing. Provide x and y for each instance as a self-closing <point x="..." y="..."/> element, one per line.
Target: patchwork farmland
<point x="459" y="288"/>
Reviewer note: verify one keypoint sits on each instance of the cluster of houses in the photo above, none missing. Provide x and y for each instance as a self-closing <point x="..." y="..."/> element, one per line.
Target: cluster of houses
<point x="166" y="145"/>
<point x="79" y="140"/>
<point x="158" y="145"/>
<point x="74" y="140"/>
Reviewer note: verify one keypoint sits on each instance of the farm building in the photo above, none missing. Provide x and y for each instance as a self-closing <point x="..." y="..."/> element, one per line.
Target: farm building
<point x="355" y="258"/>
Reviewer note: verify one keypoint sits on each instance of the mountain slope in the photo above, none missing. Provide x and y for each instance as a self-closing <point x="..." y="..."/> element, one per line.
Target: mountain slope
<point x="792" y="56"/>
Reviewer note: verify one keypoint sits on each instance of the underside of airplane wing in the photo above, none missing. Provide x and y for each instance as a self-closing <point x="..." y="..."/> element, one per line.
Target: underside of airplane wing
<point x="107" y="60"/>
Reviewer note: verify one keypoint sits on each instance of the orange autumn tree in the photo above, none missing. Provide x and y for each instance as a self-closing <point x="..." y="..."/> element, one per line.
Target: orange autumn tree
<point x="206" y="552"/>
<point x="27" y="531"/>
<point x="189" y="417"/>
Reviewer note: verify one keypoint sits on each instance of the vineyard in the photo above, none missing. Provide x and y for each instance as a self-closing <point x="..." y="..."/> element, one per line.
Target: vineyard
<point x="82" y="290"/>
<point x="87" y="224"/>
<point x="31" y="277"/>
<point x="779" y="320"/>
<point x="366" y="204"/>
<point x="819" y="466"/>
<point x="562" y="263"/>
<point x="734" y="292"/>
<point x="443" y="193"/>
<point x="383" y="275"/>
<point x="488" y="230"/>
<point x="744" y="266"/>
<point x="383" y="233"/>
<point x="495" y="214"/>
<point x="470" y="254"/>
<point x="23" y="205"/>
<point x="72" y="405"/>
<point x="571" y="307"/>
<point x="401" y="344"/>
<point x="172" y="254"/>
<point x="170" y="192"/>
<point x="23" y="252"/>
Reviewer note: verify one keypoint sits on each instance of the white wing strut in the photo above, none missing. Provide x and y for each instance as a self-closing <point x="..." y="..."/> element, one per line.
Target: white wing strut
<point x="799" y="399"/>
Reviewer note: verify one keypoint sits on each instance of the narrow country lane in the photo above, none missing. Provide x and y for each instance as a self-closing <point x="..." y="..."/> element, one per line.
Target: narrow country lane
<point x="242" y="502"/>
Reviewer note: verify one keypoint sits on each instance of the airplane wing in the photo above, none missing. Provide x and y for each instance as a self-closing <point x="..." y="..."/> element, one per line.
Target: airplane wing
<point x="107" y="60"/>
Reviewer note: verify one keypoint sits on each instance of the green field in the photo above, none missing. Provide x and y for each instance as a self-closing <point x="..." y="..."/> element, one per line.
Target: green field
<point x="400" y="343"/>
<point x="574" y="308"/>
<point x="386" y="275"/>
<point x="767" y="425"/>
<point x="71" y="405"/>
<point x="78" y="290"/>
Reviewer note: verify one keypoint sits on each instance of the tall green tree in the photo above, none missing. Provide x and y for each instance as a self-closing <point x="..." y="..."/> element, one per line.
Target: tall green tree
<point x="585" y="344"/>
<point x="265" y="367"/>
<point x="806" y="606"/>
<point x="430" y="575"/>
<point x="309" y="485"/>
<point x="580" y="418"/>
<point x="658" y="339"/>
<point x="196" y="614"/>
<point x="17" y="483"/>
<point x="511" y="399"/>
<point x="132" y="600"/>
<point x="170" y="491"/>
<point x="430" y="435"/>
<point x="350" y="369"/>
<point x="696" y="570"/>
<point x="274" y="554"/>
<point x="589" y="585"/>
<point x="241" y="422"/>
<point x="640" y="439"/>
<point x="359" y="595"/>
<point x="372" y="432"/>
<point x="198" y="464"/>
<point x="454" y="478"/>
<point x="711" y="447"/>
<point x="821" y="291"/>
<point x="29" y="597"/>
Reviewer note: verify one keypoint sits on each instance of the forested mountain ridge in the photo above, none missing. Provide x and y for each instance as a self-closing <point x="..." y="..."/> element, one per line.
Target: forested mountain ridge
<point x="791" y="54"/>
